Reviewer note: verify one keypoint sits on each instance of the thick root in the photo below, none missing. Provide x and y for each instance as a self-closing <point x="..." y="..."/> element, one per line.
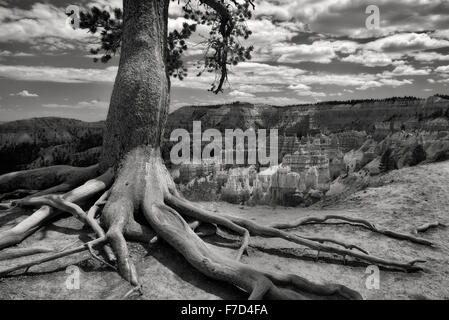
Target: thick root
<point x="26" y="227"/>
<point x="118" y="213"/>
<point x="196" y="212"/>
<point x="58" y="202"/>
<point x="136" y="232"/>
<point x="17" y="194"/>
<point x="93" y="211"/>
<point x="22" y="252"/>
<point x="428" y="226"/>
<point x="202" y="215"/>
<point x="116" y="217"/>
<point x="174" y="230"/>
<point x="44" y="178"/>
<point x="271" y="232"/>
<point x="361" y="222"/>
<point x="29" y="225"/>
<point x="26" y="265"/>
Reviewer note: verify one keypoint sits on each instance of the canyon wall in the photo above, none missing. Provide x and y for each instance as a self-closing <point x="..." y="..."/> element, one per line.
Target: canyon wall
<point x="39" y="142"/>
<point x="48" y="141"/>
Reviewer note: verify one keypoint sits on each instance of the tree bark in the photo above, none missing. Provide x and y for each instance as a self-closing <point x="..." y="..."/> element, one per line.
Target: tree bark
<point x="140" y="98"/>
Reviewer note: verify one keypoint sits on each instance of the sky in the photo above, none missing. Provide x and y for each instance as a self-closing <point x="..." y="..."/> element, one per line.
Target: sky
<point x="306" y="51"/>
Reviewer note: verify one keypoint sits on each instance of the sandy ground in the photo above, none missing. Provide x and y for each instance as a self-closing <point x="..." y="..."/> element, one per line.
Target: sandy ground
<point x="401" y="200"/>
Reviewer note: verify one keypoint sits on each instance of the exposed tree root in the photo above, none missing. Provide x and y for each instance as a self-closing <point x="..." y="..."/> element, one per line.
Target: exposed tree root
<point x="202" y="215"/>
<point x="428" y="226"/>
<point x="98" y="204"/>
<point x="52" y="257"/>
<point x="22" y="252"/>
<point x="264" y="231"/>
<point x="29" y="225"/>
<point x="63" y="177"/>
<point x="193" y="225"/>
<point x="361" y="222"/>
<point x="137" y="232"/>
<point x="58" y="202"/>
<point x="143" y="189"/>
<point x="6" y="206"/>
<point x="199" y="213"/>
<point x="19" y="193"/>
<point x="173" y="228"/>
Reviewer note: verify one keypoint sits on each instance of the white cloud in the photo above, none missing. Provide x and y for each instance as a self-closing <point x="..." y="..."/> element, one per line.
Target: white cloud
<point x="25" y="93"/>
<point x="442" y="69"/>
<point x="41" y="22"/>
<point x="246" y="74"/>
<point x="265" y="31"/>
<point x="240" y="94"/>
<point x="305" y="90"/>
<point x="444" y="34"/>
<point x="55" y="74"/>
<point x="299" y="87"/>
<point x="403" y="69"/>
<point x="277" y="41"/>
<point x="303" y="52"/>
<point x="406" y="41"/>
<point x="93" y="104"/>
<point x="347" y="17"/>
<point x="370" y="58"/>
<point x="429" y="56"/>
<point x="7" y="53"/>
<point x="284" y="78"/>
<point x="256" y="88"/>
<point x="319" y="51"/>
<point x="107" y="4"/>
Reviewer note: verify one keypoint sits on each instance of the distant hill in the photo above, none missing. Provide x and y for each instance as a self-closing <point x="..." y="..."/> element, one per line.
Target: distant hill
<point x="40" y="142"/>
<point x="334" y="116"/>
<point x="48" y="141"/>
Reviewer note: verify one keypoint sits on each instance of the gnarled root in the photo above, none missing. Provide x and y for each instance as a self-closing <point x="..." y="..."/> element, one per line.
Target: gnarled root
<point x="53" y="179"/>
<point x="349" y="220"/>
<point x="17" y="194"/>
<point x="52" y="257"/>
<point x="428" y="226"/>
<point x="144" y="190"/>
<point x="29" y="225"/>
<point x="22" y="252"/>
<point x="264" y="231"/>
<point x="118" y="214"/>
<point x="202" y="215"/>
<point x="173" y="229"/>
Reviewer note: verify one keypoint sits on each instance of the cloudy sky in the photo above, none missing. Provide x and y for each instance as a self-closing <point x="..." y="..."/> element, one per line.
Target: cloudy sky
<point x="305" y="51"/>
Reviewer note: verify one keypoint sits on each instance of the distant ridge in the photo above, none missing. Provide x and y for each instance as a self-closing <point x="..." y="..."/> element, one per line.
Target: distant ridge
<point x="330" y="102"/>
<point x="45" y="141"/>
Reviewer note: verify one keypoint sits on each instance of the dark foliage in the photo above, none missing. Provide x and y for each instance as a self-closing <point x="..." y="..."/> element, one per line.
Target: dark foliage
<point x="387" y="161"/>
<point x="226" y="20"/>
<point x="418" y="155"/>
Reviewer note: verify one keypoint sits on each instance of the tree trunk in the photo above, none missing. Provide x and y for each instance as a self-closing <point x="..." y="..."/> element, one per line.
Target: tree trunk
<point x="140" y="98"/>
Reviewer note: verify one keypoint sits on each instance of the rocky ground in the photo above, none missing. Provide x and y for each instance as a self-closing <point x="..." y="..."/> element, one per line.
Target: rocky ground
<point x="400" y="200"/>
